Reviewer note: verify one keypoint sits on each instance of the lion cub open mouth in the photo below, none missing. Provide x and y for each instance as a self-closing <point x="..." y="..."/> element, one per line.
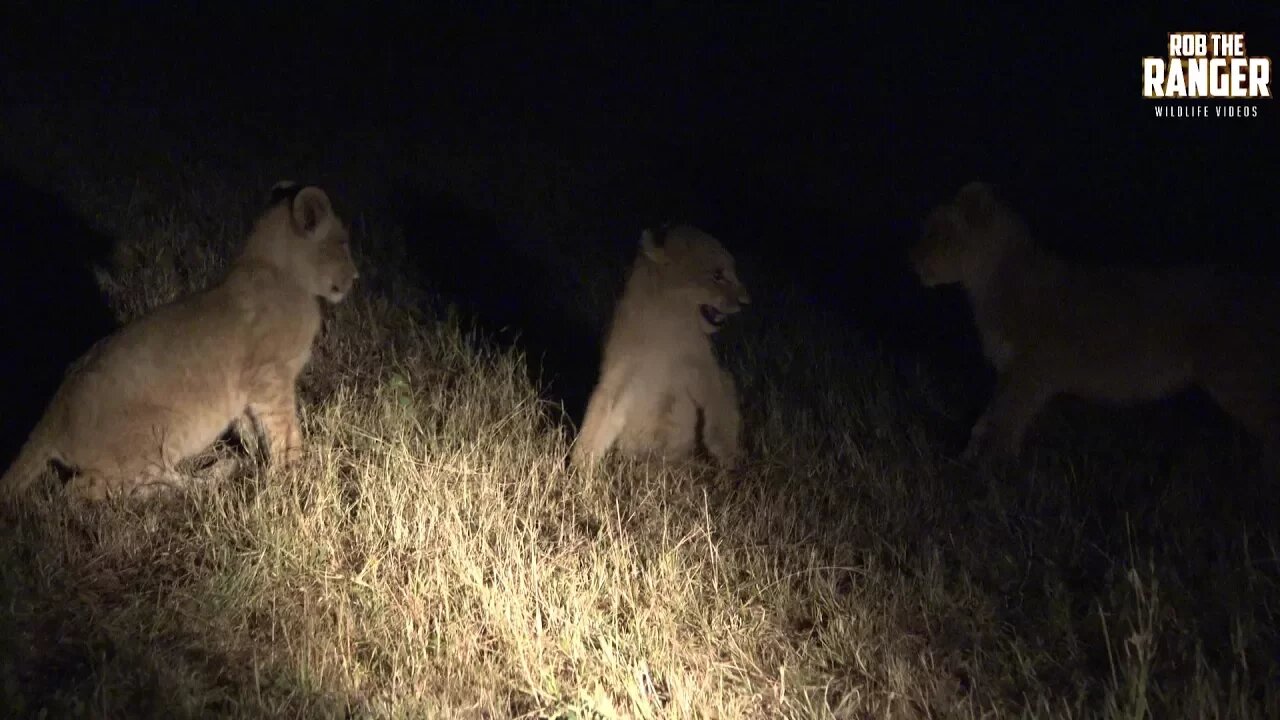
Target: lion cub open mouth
<point x="712" y="315"/>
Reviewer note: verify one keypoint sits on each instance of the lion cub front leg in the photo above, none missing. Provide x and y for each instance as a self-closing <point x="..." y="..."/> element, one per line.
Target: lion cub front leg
<point x="721" y="421"/>
<point x="606" y="414"/>
<point x="276" y="412"/>
<point x="1019" y="397"/>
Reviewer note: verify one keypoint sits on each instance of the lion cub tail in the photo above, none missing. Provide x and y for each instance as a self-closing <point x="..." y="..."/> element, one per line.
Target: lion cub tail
<point x="32" y="461"/>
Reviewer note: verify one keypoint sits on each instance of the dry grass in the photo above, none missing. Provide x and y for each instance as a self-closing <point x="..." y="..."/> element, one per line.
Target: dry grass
<point x="434" y="558"/>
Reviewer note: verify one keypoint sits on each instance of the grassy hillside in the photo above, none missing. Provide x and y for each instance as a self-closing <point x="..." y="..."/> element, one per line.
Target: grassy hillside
<point x="432" y="557"/>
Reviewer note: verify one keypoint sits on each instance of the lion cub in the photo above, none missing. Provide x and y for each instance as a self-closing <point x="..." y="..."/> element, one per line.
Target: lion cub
<point x="1109" y="334"/>
<point x="659" y="380"/>
<point x="164" y="387"/>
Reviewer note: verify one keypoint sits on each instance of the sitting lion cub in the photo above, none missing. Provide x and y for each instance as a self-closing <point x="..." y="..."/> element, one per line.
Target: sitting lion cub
<point x="1052" y="327"/>
<point x="165" y="386"/>
<point x="659" y="380"/>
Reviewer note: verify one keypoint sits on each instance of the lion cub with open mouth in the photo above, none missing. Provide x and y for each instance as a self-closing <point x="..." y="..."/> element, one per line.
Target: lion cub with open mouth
<point x="165" y="386"/>
<point x="659" y="380"/>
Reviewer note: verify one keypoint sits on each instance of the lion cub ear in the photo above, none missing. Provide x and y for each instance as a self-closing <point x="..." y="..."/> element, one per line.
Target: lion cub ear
<point x="649" y="247"/>
<point x="976" y="203"/>
<point x="311" y="210"/>
<point x="281" y="190"/>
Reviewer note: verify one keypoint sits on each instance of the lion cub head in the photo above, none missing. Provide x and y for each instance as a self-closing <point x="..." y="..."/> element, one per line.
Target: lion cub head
<point x="696" y="272"/>
<point x="962" y="240"/>
<point x="301" y="234"/>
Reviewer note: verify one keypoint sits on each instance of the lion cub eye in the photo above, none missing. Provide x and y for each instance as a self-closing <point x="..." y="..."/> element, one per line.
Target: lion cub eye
<point x="718" y="275"/>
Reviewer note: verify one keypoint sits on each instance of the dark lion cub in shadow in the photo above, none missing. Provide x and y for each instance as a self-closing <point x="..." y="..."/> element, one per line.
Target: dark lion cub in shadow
<point x="1120" y="335"/>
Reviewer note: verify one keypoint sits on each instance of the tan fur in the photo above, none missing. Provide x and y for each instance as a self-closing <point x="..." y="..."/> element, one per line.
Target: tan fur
<point x="1109" y="334"/>
<point x="659" y="371"/>
<point x="165" y="386"/>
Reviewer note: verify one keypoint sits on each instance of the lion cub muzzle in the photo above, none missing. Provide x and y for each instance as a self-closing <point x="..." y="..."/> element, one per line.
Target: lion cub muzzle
<point x="339" y="290"/>
<point x="728" y="296"/>
<point x="716" y="314"/>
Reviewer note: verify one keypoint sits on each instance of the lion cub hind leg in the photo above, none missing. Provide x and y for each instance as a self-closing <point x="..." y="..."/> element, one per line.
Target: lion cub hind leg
<point x="141" y="482"/>
<point x="136" y="484"/>
<point x="137" y="457"/>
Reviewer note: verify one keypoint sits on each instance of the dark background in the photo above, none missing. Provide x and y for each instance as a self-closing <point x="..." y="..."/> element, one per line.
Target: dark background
<point x="810" y="137"/>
